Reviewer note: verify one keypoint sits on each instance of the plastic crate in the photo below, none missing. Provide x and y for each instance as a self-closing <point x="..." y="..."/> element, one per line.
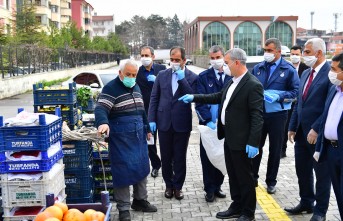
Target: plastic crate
<point x="98" y="169"/>
<point x="52" y="97"/>
<point x="88" y="123"/>
<point x="9" y="213"/>
<point x="104" y="155"/>
<point x="32" y="193"/>
<point x="90" y="106"/>
<point x="77" y="154"/>
<point x="88" y="198"/>
<point x="30" y="137"/>
<point x="79" y="182"/>
<point x="69" y="116"/>
<point x="42" y="165"/>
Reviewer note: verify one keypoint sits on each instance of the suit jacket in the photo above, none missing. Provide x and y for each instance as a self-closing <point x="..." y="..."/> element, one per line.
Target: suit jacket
<point x="302" y="68"/>
<point x="165" y="109"/>
<point x="306" y="114"/>
<point x="243" y="115"/>
<point x="321" y="145"/>
<point x="145" y="85"/>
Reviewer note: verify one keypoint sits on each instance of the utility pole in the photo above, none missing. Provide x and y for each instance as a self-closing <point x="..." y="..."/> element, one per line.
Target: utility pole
<point x="312" y="13"/>
<point x="336" y="15"/>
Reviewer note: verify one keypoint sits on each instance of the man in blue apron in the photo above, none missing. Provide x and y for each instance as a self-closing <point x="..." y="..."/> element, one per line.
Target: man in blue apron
<point x="120" y="114"/>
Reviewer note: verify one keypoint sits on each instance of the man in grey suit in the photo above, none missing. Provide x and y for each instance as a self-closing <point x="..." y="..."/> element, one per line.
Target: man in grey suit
<point x="173" y="119"/>
<point x="240" y="122"/>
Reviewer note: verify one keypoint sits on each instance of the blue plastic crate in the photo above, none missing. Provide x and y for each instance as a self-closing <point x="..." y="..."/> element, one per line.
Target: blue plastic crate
<point x="99" y="180"/>
<point x="43" y="165"/>
<point x="104" y="155"/>
<point x="30" y="137"/>
<point x="88" y="123"/>
<point x="70" y="116"/>
<point x="79" y="182"/>
<point x="52" y="97"/>
<point x="90" y="106"/>
<point x="98" y="168"/>
<point x="86" y="199"/>
<point x="77" y="154"/>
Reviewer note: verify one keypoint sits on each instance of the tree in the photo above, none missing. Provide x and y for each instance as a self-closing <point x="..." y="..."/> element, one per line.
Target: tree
<point x="156" y="31"/>
<point x="175" y="32"/>
<point x="117" y="44"/>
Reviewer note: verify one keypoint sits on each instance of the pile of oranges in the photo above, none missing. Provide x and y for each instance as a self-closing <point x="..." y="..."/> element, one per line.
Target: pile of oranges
<point x="60" y="212"/>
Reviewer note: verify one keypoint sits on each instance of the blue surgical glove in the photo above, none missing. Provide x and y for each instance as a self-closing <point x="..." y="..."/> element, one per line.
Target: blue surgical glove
<point x="180" y="74"/>
<point x="187" y="98"/>
<point x="251" y="151"/>
<point x="151" y="77"/>
<point x="211" y="125"/>
<point x="152" y="126"/>
<point x="270" y="98"/>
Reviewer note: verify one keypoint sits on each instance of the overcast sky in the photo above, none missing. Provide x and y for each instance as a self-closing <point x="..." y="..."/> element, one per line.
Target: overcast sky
<point x="188" y="10"/>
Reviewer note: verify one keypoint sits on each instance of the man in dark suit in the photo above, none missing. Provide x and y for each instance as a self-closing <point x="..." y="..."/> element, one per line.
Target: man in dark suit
<point x="304" y="128"/>
<point x="240" y="122"/>
<point x="145" y="79"/>
<point x="173" y="119"/>
<point x="295" y="58"/>
<point x="211" y="80"/>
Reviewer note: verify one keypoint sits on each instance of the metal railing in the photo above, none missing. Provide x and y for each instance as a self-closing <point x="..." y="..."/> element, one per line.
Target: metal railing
<point x="30" y="59"/>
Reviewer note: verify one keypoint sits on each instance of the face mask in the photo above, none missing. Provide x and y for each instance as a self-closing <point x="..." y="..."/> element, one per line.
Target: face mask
<point x="333" y="78"/>
<point x="295" y="59"/>
<point x="129" y="82"/>
<point x="226" y="70"/>
<point x="175" y="66"/>
<point x="218" y="63"/>
<point x="146" y="61"/>
<point x="269" y="57"/>
<point x="310" y="60"/>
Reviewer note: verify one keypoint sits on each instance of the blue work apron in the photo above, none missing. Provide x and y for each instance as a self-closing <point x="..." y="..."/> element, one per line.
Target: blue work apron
<point x="128" y="150"/>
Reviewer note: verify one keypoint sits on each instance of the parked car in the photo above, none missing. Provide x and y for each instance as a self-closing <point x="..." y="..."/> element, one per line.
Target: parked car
<point x="95" y="79"/>
<point x="285" y="51"/>
<point x="189" y="62"/>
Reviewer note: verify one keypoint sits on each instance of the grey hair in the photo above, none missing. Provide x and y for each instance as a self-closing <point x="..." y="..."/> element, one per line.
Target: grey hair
<point x="152" y="51"/>
<point x="274" y="41"/>
<point x="216" y="48"/>
<point x="317" y="44"/>
<point x="237" y="54"/>
<point x="128" y="62"/>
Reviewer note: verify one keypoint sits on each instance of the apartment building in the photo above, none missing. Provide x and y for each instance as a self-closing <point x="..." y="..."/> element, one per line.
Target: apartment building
<point x="82" y="15"/>
<point x="7" y="10"/>
<point x="103" y="25"/>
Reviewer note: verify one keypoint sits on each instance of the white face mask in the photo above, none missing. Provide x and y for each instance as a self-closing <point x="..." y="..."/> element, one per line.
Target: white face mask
<point x="333" y="78"/>
<point x="175" y="66"/>
<point x="146" y="61"/>
<point x="295" y="59"/>
<point x="310" y="60"/>
<point x="218" y="63"/>
<point x="269" y="57"/>
<point x="226" y="70"/>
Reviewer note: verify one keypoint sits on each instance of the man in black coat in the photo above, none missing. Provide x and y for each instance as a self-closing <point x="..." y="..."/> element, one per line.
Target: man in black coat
<point x="240" y="122"/>
<point x="145" y="79"/>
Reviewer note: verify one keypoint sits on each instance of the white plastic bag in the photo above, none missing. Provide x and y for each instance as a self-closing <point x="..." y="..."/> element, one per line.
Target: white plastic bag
<point x="214" y="148"/>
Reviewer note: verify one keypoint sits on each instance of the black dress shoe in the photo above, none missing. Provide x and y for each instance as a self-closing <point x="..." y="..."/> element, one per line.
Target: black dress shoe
<point x="168" y="193"/>
<point x="245" y="218"/>
<point x="228" y="214"/>
<point x="178" y="194"/>
<point x="271" y="189"/>
<point x="318" y="218"/>
<point x="209" y="197"/>
<point x="299" y="209"/>
<point x="220" y="194"/>
<point x="154" y="173"/>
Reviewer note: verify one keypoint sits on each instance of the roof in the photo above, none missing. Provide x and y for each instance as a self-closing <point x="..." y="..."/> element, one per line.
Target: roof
<point x="102" y="18"/>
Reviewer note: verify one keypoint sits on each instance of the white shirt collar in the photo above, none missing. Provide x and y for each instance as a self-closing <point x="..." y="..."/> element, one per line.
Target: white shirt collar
<point x="237" y="80"/>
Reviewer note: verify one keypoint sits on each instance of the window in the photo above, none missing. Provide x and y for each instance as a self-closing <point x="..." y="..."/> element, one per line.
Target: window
<point x="281" y="31"/>
<point x="248" y="37"/>
<point x="216" y="33"/>
<point x="54" y="8"/>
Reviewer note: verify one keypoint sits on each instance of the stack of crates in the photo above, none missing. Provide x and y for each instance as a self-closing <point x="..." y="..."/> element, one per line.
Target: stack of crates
<point x="23" y="198"/>
<point x="78" y="167"/>
<point x="97" y="172"/>
<point x="47" y="99"/>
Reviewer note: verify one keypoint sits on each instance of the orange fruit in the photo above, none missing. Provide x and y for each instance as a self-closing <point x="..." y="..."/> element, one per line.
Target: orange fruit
<point x="52" y="219"/>
<point x="74" y="215"/>
<point x="43" y="216"/>
<point x="62" y="206"/>
<point x="88" y="214"/>
<point x="98" y="216"/>
<point x="55" y="212"/>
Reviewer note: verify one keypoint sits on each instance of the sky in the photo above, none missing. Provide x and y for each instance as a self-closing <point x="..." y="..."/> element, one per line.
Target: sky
<point x="188" y="10"/>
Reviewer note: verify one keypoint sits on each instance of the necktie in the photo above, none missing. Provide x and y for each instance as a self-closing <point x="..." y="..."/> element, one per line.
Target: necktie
<point x="220" y="80"/>
<point x="175" y="85"/>
<point x="310" y="79"/>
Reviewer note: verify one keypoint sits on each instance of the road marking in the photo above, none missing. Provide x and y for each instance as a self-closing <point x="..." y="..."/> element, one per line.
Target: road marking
<point x="271" y="208"/>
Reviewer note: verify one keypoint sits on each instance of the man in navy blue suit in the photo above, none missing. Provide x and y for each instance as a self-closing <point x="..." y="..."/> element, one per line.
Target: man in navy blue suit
<point x="210" y="81"/>
<point x="145" y="79"/>
<point x="173" y="119"/>
<point x="330" y="139"/>
<point x="304" y="128"/>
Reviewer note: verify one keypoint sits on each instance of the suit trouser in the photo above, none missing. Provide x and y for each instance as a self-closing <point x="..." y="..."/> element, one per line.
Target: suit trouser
<point x="274" y="126"/>
<point x="242" y="187"/>
<point x="335" y="164"/>
<point x="173" y="147"/>
<point x="153" y="156"/>
<point x="122" y="195"/>
<point x="212" y="177"/>
<point x="304" y="165"/>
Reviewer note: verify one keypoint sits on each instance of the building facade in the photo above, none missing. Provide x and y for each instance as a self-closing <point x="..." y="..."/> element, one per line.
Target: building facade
<point x="246" y="32"/>
<point x="103" y="25"/>
<point x="82" y="15"/>
<point x="7" y="10"/>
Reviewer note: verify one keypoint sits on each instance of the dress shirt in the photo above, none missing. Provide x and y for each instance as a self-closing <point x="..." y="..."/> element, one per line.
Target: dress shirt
<point x="218" y="76"/>
<point x="316" y="70"/>
<point x="273" y="67"/>
<point x="174" y="83"/>
<point x="334" y="116"/>
<point x="229" y="93"/>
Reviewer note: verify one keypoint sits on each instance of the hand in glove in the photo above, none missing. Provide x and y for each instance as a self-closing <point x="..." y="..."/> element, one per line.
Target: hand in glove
<point x="151" y="78"/>
<point x="180" y="74"/>
<point x="152" y="126"/>
<point x="251" y="151"/>
<point x="187" y="98"/>
<point x="211" y="125"/>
